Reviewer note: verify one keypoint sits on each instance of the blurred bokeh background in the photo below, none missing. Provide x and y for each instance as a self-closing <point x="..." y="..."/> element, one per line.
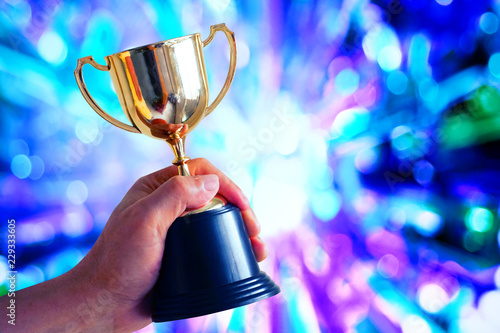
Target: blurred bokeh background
<point x="365" y="133"/>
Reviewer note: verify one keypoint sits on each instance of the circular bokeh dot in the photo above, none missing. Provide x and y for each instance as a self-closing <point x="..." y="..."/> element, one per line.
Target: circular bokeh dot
<point x="488" y="22"/>
<point x="77" y="192"/>
<point x="37" y="167"/>
<point x="21" y="166"/>
<point x="494" y="65"/>
<point x="397" y="82"/>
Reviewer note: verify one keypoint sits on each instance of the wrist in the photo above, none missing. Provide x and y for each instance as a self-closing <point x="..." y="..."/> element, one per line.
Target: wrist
<point x="101" y="300"/>
<point x="67" y="303"/>
<point x="94" y="306"/>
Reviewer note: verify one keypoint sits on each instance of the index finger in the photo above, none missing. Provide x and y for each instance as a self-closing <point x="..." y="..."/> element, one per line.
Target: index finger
<point x="200" y="166"/>
<point x="230" y="191"/>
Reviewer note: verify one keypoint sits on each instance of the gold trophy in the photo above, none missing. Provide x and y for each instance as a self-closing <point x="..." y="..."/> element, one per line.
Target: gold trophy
<point x="163" y="90"/>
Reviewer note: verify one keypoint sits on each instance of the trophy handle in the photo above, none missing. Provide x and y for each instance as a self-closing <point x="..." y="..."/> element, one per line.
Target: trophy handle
<point x="232" y="62"/>
<point x="90" y="100"/>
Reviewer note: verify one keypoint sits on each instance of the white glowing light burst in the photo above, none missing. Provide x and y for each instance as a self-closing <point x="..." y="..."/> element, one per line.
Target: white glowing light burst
<point x="489" y="303"/>
<point x="279" y="206"/>
<point x="415" y="324"/>
<point x="243" y="54"/>
<point x="432" y="298"/>
<point x="497" y="277"/>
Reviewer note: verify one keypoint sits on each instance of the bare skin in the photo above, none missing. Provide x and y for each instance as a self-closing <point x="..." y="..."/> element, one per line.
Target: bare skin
<point x="107" y="291"/>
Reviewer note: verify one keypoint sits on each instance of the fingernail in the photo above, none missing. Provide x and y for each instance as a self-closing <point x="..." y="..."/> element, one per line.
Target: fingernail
<point x="210" y="182"/>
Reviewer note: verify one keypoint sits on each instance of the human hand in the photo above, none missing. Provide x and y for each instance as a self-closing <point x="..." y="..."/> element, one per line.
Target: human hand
<point x="108" y="290"/>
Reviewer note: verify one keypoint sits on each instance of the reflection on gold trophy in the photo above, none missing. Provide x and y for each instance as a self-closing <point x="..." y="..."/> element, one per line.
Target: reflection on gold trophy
<point x="163" y="90"/>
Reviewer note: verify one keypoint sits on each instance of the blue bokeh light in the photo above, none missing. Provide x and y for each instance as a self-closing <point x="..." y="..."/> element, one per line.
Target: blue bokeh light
<point x="37" y="167"/>
<point x="326" y="204"/>
<point x="479" y="219"/>
<point x="18" y="147"/>
<point x="52" y="48"/>
<point x="21" y="166"/>
<point x="347" y="81"/>
<point x="494" y="65"/>
<point x="488" y="22"/>
<point x="365" y="135"/>
<point x="397" y="82"/>
<point x="423" y="172"/>
<point x="351" y="122"/>
<point x="389" y="58"/>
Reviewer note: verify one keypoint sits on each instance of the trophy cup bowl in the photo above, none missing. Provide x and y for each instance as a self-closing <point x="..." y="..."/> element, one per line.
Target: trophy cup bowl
<point x="208" y="263"/>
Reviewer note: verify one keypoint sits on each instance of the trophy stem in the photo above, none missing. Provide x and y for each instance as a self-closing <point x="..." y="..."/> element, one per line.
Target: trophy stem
<point x="180" y="156"/>
<point x="183" y="170"/>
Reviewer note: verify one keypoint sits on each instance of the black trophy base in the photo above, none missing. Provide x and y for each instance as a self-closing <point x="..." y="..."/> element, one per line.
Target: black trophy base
<point x="208" y="266"/>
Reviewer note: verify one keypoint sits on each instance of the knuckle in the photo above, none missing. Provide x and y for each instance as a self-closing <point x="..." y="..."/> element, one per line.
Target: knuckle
<point x="134" y="211"/>
<point x="179" y="184"/>
<point x="139" y="181"/>
<point x="202" y="161"/>
<point x="142" y="181"/>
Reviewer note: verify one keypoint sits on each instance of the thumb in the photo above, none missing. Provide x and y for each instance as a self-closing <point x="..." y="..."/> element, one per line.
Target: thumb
<point x="178" y="193"/>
